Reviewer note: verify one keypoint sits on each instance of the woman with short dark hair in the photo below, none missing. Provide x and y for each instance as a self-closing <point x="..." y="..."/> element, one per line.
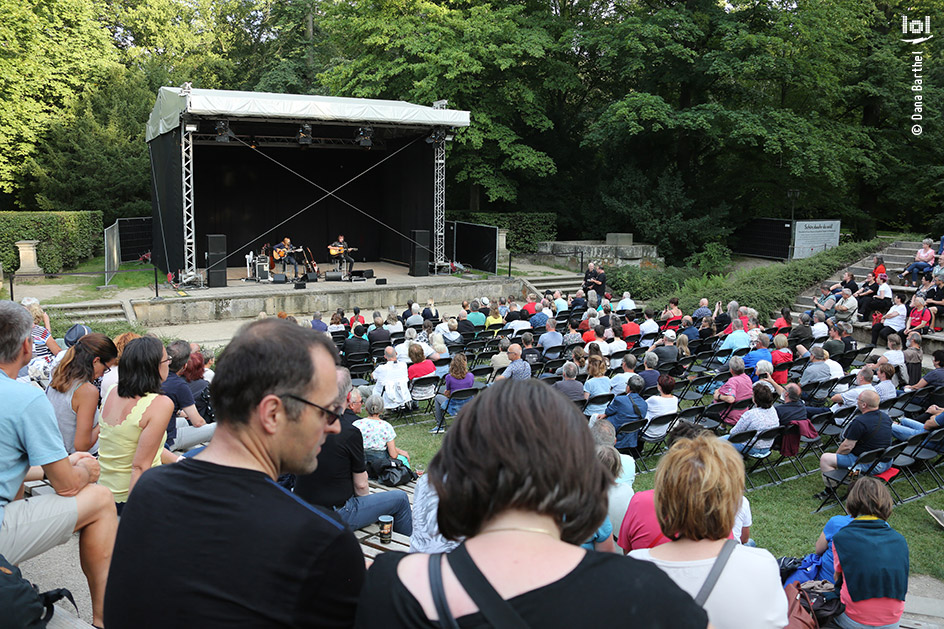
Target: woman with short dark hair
<point x="134" y="417"/>
<point x="873" y="559"/>
<point x="520" y="562"/>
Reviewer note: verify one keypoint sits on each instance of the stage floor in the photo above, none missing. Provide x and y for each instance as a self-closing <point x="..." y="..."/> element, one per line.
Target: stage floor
<point x="393" y="273"/>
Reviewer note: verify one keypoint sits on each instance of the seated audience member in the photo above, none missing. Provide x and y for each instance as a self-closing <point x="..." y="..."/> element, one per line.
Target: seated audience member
<point x="356" y="318"/>
<point x="415" y="318"/>
<point x="110" y="378"/>
<point x="379" y="436"/>
<point x="464" y="325"/>
<point x="816" y="371"/>
<point x="688" y="328"/>
<point x="539" y="317"/>
<point x="824" y="303"/>
<point x="834" y="345"/>
<point x="933" y="378"/>
<point x="451" y="333"/>
<point x="589" y="326"/>
<point x="420" y="367"/>
<point x="892" y="322"/>
<point x="357" y="343"/>
<point x="187" y="428"/>
<point x="391" y="380"/>
<point x="742" y="524"/>
<point x="706" y="329"/>
<point x="458" y="378"/>
<point x="699" y="486"/>
<point x="393" y="325"/>
<point x="922" y="263"/>
<point x="648" y="326"/>
<point x="44" y="345"/>
<point x="597" y="384"/>
<point x="529" y="352"/>
<point x="551" y="338"/>
<point x="934" y="299"/>
<point x="618" y="497"/>
<point x="317" y="324"/>
<point x="662" y="404"/>
<point x="920" y="318"/>
<point x="702" y="310"/>
<point x="276" y="401"/>
<point x="133" y="419"/>
<point x="903" y="428"/>
<point x="625" y="408"/>
<point x="409" y="310"/>
<point x="500" y="360"/>
<point x="801" y="334"/>
<point x="430" y="311"/>
<point x="665" y="348"/>
<point x="569" y="385"/>
<point x="517" y="369"/>
<point x="759" y="352"/>
<point x="73" y="397"/>
<point x="846" y="306"/>
<point x="848" y="281"/>
<point x="29" y="435"/>
<point x="793" y="409"/>
<point x="494" y="318"/>
<point x="724" y="318"/>
<point x="872" y="597"/>
<point x="519" y="539"/>
<point x="473" y="316"/>
<point x="886" y="387"/>
<point x="914" y="359"/>
<point x="819" y="328"/>
<point x="194" y="373"/>
<point x="672" y="311"/>
<point x="780" y="354"/>
<point x="870" y="430"/>
<point x="337" y="323"/>
<point x="618" y="380"/>
<point x="379" y="334"/>
<point x="850" y="396"/>
<point x="761" y="417"/>
<point x="737" y="339"/>
<point x="823" y="568"/>
<point x="626" y="303"/>
<point x="764" y="372"/>
<point x="651" y="372"/>
<point x="630" y="328"/>
<point x="785" y="320"/>
<point x="737" y="388"/>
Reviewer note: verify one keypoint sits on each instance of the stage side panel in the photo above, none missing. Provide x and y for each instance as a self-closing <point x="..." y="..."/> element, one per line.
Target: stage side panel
<point x="167" y="202"/>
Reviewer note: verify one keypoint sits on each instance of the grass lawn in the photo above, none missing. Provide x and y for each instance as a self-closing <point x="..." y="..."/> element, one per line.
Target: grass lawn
<point x="783" y="520"/>
<point x="86" y="287"/>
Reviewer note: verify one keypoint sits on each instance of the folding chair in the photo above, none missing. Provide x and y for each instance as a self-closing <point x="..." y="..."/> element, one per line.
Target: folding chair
<point x="356" y="358"/>
<point x="764" y="461"/>
<point x="798" y="367"/>
<point x="601" y="398"/>
<point x="835" y="424"/>
<point x="692" y="392"/>
<point x="866" y="462"/>
<point x="360" y="374"/>
<point x="662" y="423"/>
<point x="903" y="464"/>
<point x="483" y="372"/>
<point x="739" y="405"/>
<point x="691" y="414"/>
<point x="927" y="451"/>
<point x="423" y="389"/>
<point x="554" y="352"/>
<point x="551" y="379"/>
<point x="457" y="400"/>
<point x="861" y="354"/>
<point x="820" y="392"/>
<point x="707" y="418"/>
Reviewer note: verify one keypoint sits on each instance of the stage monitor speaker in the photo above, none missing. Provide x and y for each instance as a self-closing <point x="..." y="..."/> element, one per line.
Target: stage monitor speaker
<point x="300" y="285"/>
<point x="334" y="276"/>
<point x="279" y="278"/>
<point x="216" y="278"/>
<point x="419" y="253"/>
<point x="262" y="270"/>
<point x="367" y="274"/>
<point x="358" y="279"/>
<point x="216" y="243"/>
<point x="380" y="281"/>
<point x="311" y="277"/>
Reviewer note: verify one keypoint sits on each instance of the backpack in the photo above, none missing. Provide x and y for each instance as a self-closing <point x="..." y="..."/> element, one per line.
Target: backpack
<point x="390" y="472"/>
<point x="209" y="414"/>
<point x="23" y="605"/>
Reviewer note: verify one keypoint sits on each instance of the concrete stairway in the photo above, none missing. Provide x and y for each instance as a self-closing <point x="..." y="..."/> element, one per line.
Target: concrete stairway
<point x="89" y="312"/>
<point x="897" y="255"/>
<point x="567" y="283"/>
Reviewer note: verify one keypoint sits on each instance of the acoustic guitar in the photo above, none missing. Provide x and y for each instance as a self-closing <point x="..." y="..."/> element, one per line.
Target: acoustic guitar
<point x="336" y="251"/>
<point x="280" y="253"/>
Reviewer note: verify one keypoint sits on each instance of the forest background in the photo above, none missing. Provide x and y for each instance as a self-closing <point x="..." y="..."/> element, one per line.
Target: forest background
<point x="677" y="121"/>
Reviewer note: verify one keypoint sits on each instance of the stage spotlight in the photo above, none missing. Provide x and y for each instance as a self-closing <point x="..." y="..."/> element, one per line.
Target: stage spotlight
<point x="191" y="127"/>
<point x="304" y="134"/>
<point x="364" y="137"/>
<point x="252" y="142"/>
<point x="436" y="136"/>
<point x="222" y="131"/>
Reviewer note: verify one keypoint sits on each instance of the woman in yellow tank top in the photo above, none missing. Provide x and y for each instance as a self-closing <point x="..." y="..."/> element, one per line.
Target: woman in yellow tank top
<point x="134" y="418"/>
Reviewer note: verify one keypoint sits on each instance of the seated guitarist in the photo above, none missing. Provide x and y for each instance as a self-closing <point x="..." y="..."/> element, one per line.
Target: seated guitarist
<point x="284" y="252"/>
<point x="338" y="250"/>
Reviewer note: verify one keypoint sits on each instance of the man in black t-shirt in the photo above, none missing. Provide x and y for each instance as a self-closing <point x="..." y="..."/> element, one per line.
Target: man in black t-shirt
<point x="340" y="481"/>
<point x="869" y="431"/>
<point x="182" y="435"/>
<point x="246" y="552"/>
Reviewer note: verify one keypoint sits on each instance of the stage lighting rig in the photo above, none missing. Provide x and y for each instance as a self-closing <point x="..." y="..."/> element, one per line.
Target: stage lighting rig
<point x="365" y="136"/>
<point x="222" y="131"/>
<point x="437" y="136"/>
<point x="304" y="134"/>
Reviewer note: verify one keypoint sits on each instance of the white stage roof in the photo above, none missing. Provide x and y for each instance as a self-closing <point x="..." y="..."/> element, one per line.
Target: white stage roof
<point x="173" y="102"/>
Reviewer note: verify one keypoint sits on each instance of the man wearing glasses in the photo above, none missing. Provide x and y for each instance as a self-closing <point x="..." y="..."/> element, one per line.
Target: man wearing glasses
<point x="340" y="482"/>
<point x="223" y="543"/>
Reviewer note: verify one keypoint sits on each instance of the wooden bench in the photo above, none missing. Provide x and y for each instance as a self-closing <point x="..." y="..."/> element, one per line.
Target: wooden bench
<point x="369" y="536"/>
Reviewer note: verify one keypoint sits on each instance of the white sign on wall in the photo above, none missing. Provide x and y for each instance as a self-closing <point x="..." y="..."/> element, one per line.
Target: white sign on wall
<point x="811" y="237"/>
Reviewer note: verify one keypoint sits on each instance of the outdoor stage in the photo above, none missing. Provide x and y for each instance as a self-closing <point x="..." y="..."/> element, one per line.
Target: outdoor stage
<point x="246" y="299"/>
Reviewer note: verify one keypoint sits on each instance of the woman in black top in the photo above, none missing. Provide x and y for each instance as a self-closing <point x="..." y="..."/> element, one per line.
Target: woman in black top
<point x="522" y="530"/>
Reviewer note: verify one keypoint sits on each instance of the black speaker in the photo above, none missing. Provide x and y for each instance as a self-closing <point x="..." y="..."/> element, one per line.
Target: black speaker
<point x="419" y="253"/>
<point x="278" y="278"/>
<point x="216" y="277"/>
<point x="262" y="270"/>
<point x="300" y="285"/>
<point x="380" y="281"/>
<point x="365" y="273"/>
<point x="311" y="277"/>
<point x="216" y="243"/>
<point x="358" y="279"/>
<point x="334" y="276"/>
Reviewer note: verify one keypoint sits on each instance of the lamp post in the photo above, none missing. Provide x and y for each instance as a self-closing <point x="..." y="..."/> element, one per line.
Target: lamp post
<point x="793" y="194"/>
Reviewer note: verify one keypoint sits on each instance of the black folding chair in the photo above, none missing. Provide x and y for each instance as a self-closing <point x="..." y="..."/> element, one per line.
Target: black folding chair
<point x="866" y="462"/>
<point x="601" y="398"/>
<point x="633" y="425"/>
<point x="764" y="460"/>
<point x="661" y="425"/>
<point x="423" y="389"/>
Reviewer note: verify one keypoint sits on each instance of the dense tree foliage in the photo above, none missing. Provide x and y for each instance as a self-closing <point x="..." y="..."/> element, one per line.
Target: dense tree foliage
<point x="674" y="119"/>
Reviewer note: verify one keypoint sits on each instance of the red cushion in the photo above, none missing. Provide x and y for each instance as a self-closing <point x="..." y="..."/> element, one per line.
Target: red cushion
<point x="888" y="474"/>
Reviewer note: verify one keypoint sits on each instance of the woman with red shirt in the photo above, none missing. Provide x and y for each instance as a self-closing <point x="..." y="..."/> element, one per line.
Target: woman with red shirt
<point x="781" y="354"/>
<point x="879" y="263"/>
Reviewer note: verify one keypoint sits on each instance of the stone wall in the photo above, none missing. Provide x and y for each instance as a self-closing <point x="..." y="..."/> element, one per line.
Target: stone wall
<point x="617" y="250"/>
<point x="201" y="309"/>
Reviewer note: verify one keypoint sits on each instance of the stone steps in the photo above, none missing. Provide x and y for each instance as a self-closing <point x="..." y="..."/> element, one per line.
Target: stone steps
<point x="91" y="311"/>
<point x="566" y="283"/>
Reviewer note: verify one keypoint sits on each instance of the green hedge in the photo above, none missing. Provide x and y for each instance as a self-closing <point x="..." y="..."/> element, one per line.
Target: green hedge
<point x="64" y="238"/>
<point x="766" y="289"/>
<point x="525" y="229"/>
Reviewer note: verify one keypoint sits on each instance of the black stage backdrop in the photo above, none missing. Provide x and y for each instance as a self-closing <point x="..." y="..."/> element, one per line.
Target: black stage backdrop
<point x="166" y="202"/>
<point x="244" y="195"/>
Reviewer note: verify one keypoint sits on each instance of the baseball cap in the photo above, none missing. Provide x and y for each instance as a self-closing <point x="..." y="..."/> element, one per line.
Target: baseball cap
<point x="669" y="334"/>
<point x="75" y="333"/>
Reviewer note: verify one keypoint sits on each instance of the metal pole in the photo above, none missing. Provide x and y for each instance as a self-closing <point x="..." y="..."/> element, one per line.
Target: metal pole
<point x="509" y="264"/>
<point x="11" y="287"/>
<point x="157" y="294"/>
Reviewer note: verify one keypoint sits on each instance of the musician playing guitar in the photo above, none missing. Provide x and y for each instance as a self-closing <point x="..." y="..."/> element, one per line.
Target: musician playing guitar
<point x="338" y="250"/>
<point x="284" y="252"/>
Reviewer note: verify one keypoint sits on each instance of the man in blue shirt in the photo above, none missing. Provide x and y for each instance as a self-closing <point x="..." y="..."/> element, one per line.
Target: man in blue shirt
<point x="475" y="317"/>
<point x="688" y="329"/>
<point x="31" y="447"/>
<point x="517" y="369"/>
<point x="539" y="317"/>
<point x="701" y="311"/>
<point x="738" y="339"/>
<point x="551" y="338"/>
<point x="758" y="353"/>
<point x="626" y="408"/>
<point x="559" y="302"/>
